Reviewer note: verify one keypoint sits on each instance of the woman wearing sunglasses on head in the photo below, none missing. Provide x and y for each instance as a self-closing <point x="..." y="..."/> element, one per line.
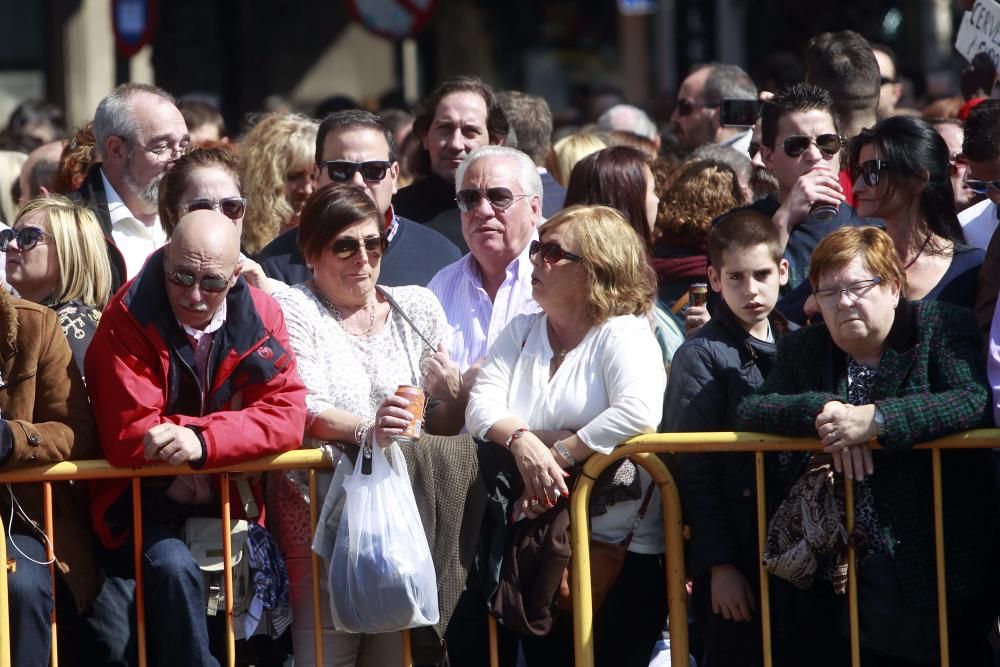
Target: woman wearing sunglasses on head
<point x="207" y="178"/>
<point x="354" y="347"/>
<point x="277" y="166"/>
<point x="581" y="377"/>
<point x="56" y="256"/>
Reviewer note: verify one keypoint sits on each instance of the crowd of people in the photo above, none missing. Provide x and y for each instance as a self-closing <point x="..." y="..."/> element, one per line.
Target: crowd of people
<point x="173" y="294"/>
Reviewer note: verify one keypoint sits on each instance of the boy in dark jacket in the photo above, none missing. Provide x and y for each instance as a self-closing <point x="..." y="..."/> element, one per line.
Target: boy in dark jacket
<point x="711" y="373"/>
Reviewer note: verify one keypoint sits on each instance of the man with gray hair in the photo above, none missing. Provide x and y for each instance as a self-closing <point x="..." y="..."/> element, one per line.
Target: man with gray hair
<point x="499" y="194"/>
<point x="627" y="118"/>
<point x="697" y="116"/>
<point x="139" y="133"/>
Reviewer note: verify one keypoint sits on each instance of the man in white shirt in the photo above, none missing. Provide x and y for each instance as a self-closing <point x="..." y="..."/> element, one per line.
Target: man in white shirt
<point x="499" y="194"/>
<point x="139" y="132"/>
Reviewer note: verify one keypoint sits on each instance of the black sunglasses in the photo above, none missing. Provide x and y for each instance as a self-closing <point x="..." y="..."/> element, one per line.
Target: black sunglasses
<point x="344" y="170"/>
<point x="551" y="252"/>
<point x="979" y="186"/>
<point x="869" y="171"/>
<point x="26" y="237"/>
<point x="797" y="144"/>
<point x="232" y="207"/>
<point x="346" y="248"/>
<point x="206" y="283"/>
<point x="499" y="198"/>
<point x="686" y="107"/>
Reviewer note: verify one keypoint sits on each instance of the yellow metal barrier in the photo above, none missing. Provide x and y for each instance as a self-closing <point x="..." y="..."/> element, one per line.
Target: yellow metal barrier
<point x="642" y="448"/>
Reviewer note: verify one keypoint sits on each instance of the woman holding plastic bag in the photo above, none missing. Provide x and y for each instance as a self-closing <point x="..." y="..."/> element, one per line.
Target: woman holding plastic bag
<point x="578" y="378"/>
<point x="355" y="344"/>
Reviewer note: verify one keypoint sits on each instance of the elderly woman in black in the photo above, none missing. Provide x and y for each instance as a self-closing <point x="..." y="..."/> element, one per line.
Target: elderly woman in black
<point x="882" y="367"/>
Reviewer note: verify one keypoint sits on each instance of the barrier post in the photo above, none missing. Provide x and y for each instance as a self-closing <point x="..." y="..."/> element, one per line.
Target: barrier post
<point x="942" y="587"/>
<point x="316" y="570"/>
<point x="852" y="574"/>
<point x="227" y="569"/>
<point x="140" y="591"/>
<point x="50" y="555"/>
<point x="765" y="589"/>
<point x="4" y="601"/>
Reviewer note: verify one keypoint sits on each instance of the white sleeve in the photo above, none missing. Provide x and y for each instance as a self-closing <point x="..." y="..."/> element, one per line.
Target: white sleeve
<point x="489" y="397"/>
<point x="632" y="368"/>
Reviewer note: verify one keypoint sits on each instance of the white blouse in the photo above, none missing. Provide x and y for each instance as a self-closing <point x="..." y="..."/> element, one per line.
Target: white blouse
<point x="608" y="388"/>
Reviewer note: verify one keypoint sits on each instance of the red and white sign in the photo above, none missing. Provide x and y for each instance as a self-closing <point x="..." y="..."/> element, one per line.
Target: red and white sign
<point x="393" y="19"/>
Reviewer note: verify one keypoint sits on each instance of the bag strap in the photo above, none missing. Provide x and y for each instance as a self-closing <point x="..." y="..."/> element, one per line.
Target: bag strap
<point x="641" y="513"/>
<point x="246" y="497"/>
<point x="402" y="313"/>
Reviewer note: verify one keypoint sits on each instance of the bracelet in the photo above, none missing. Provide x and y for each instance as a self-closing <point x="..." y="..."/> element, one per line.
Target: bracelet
<point x="562" y="451"/>
<point x="518" y="432"/>
<point x="362" y="430"/>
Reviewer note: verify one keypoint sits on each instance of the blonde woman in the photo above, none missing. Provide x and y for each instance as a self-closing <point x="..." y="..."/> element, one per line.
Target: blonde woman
<point x="278" y="172"/>
<point x="56" y="256"/>
<point x="569" y="150"/>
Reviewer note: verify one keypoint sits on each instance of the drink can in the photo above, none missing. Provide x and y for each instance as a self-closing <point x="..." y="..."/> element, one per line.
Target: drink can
<point x="824" y="212"/>
<point x="418" y="399"/>
<point x="698" y="294"/>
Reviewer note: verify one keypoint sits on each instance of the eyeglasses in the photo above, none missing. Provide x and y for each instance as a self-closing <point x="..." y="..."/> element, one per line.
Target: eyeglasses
<point x="870" y="171"/>
<point x="231" y="207"/>
<point x="344" y="170"/>
<point x="686" y="107"/>
<point x="346" y="248"/>
<point x="828" y="144"/>
<point x="213" y="284"/>
<point x="955" y="162"/>
<point x="162" y="152"/>
<point x="980" y="187"/>
<point x="551" y="252"/>
<point x="500" y="199"/>
<point x="26" y="237"/>
<point x="854" y="291"/>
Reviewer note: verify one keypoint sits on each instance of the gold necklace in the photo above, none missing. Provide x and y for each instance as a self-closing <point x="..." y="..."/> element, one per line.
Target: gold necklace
<point x="325" y="300"/>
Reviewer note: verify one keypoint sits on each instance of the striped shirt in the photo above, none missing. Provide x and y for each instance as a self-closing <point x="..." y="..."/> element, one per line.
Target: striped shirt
<point x="476" y="321"/>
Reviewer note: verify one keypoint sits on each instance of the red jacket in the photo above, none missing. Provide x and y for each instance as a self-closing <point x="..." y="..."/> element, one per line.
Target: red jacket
<point x="139" y="374"/>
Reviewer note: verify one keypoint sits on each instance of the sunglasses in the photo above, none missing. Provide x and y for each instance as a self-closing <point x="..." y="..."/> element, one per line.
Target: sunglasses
<point x="499" y="198"/>
<point x="344" y="170"/>
<point x="231" y="207"/>
<point x="346" y="248"/>
<point x="886" y="80"/>
<point x="213" y="284"/>
<point x="686" y="107"/>
<point x="980" y="187"/>
<point x="870" y="170"/>
<point x="551" y="252"/>
<point x="828" y="144"/>
<point x="26" y="237"/>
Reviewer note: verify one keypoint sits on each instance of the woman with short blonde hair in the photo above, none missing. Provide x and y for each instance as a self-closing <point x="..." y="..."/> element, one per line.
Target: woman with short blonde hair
<point x="278" y="172"/>
<point x="57" y="256"/>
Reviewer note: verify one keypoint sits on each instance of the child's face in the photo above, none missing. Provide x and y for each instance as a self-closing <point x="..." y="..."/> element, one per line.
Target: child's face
<point x="749" y="280"/>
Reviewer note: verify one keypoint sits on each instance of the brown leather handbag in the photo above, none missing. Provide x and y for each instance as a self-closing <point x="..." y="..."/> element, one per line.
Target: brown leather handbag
<point x="606" y="561"/>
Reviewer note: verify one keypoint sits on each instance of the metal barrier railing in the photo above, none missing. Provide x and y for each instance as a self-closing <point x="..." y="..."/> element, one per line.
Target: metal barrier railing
<point x="99" y="469"/>
<point x="642" y="448"/>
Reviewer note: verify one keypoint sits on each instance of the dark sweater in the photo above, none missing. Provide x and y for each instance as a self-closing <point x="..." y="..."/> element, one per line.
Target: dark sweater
<point x="423" y="200"/>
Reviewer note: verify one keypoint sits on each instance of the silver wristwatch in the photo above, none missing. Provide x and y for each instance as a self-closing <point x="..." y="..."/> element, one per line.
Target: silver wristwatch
<point x="879" y="420"/>
<point x="561" y="450"/>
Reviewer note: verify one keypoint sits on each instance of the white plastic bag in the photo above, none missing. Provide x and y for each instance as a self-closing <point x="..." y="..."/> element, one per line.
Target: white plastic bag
<point x="381" y="574"/>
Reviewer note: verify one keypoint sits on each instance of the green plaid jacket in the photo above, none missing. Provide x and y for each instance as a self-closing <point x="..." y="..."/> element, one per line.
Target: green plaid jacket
<point x="931" y="382"/>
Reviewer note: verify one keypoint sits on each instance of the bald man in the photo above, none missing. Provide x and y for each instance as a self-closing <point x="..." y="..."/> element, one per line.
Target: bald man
<point x="38" y="171"/>
<point x="189" y="364"/>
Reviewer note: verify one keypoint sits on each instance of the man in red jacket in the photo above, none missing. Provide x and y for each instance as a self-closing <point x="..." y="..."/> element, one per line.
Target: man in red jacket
<point x="189" y="365"/>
